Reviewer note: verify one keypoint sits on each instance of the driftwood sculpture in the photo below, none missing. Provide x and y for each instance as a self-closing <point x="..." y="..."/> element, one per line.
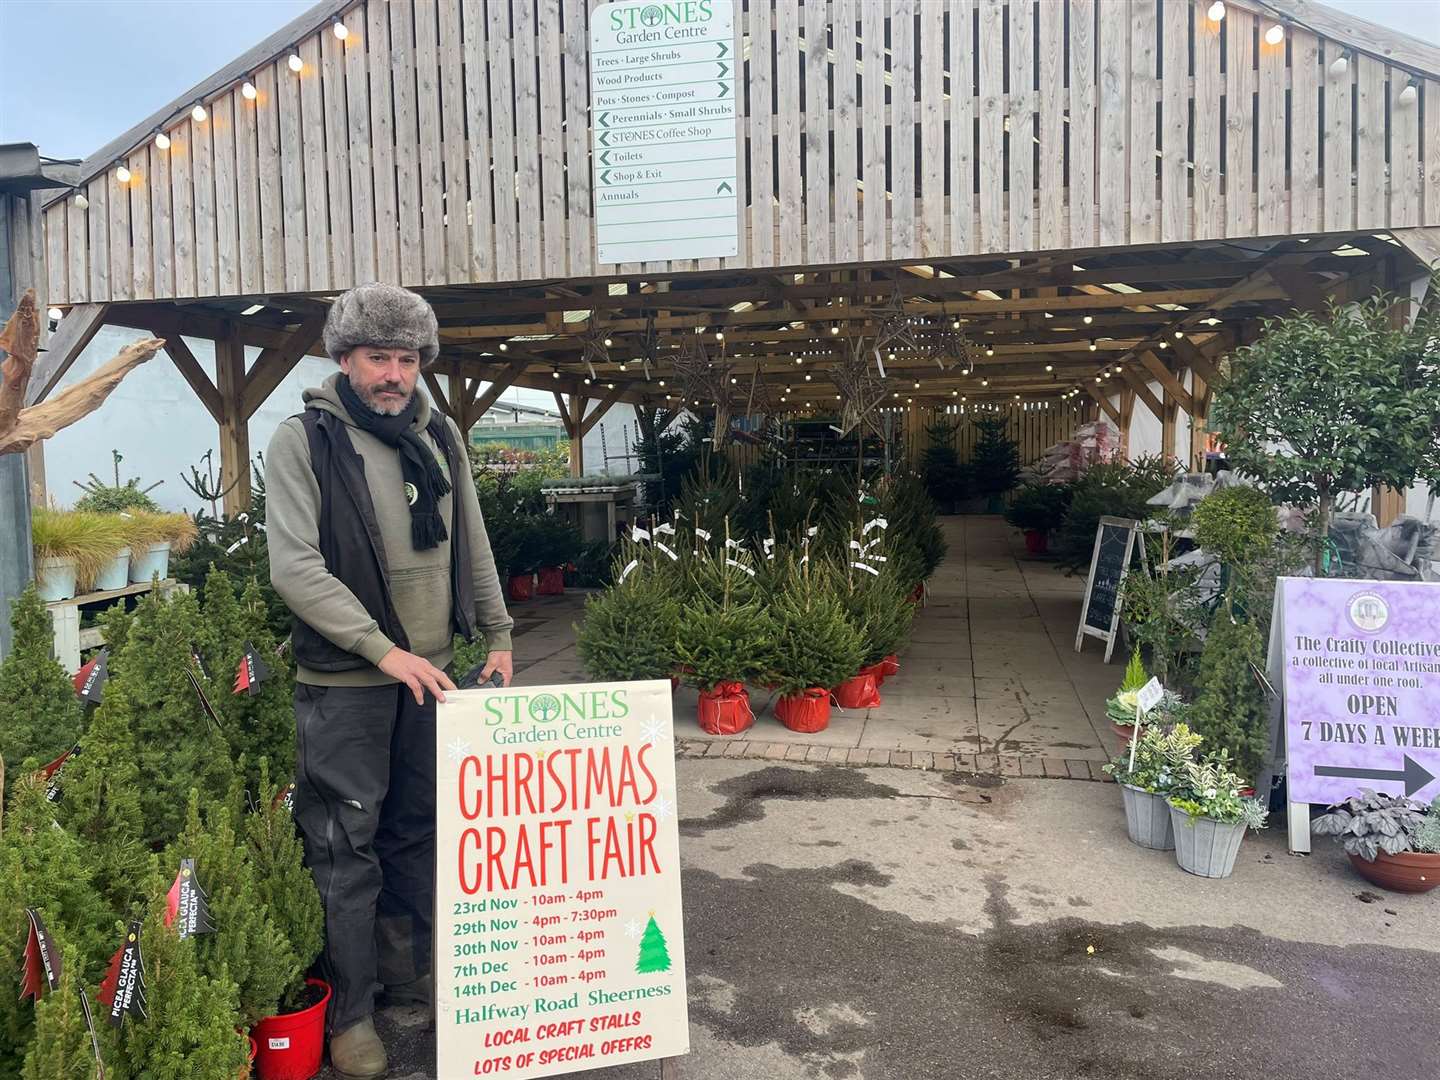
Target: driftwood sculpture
<point x="21" y="427"/>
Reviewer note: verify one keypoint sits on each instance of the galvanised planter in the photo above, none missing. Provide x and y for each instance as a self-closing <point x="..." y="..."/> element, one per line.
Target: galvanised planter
<point x="1205" y="847"/>
<point x="1147" y="819"/>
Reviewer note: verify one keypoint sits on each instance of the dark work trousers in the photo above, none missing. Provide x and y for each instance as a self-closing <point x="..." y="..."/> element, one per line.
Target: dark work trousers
<point x="365" y="803"/>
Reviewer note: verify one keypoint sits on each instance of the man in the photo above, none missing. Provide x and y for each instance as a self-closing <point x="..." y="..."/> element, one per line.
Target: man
<point x="378" y="548"/>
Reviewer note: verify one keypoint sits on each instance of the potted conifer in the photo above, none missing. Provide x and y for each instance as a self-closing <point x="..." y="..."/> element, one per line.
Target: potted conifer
<point x="39" y="714"/>
<point x="816" y="646"/>
<point x="630" y="629"/>
<point x="1037" y="510"/>
<point x="724" y="639"/>
<point x="876" y="606"/>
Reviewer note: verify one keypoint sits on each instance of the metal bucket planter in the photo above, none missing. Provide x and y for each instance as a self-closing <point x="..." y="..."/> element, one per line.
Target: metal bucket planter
<point x="55" y="577"/>
<point x="116" y="574"/>
<point x="152" y="562"/>
<point x="1147" y="819"/>
<point x="1205" y="847"/>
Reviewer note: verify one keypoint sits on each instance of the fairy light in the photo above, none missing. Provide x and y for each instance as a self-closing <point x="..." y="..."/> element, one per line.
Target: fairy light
<point x="1340" y="64"/>
<point x="198" y="113"/>
<point x="55" y="314"/>
<point x="248" y="91"/>
<point x="1088" y="319"/>
<point x="296" y="64"/>
<point x="81" y="202"/>
<point x="1275" y="35"/>
<point x="1216" y="12"/>
<point x="340" y="30"/>
<point x="122" y="174"/>
<point x="162" y="141"/>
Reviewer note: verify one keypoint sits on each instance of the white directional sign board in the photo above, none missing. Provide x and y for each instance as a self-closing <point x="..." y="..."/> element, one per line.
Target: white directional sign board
<point x="663" y="121"/>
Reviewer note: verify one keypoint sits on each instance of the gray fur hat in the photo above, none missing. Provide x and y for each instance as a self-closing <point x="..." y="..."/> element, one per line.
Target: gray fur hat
<point x="383" y="315"/>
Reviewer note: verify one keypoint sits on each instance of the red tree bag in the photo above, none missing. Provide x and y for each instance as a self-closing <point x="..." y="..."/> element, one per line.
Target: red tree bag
<point x="860" y="692"/>
<point x="552" y="581"/>
<point x="725" y="710"/>
<point x="889" y="667"/>
<point x="521" y="587"/>
<point x="806" y="711"/>
<point x="290" y="1046"/>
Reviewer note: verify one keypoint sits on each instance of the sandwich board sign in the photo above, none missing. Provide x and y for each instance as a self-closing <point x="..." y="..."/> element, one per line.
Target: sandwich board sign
<point x="1359" y="669"/>
<point x="559" y="932"/>
<point x="663" y="124"/>
<point x="1115" y="549"/>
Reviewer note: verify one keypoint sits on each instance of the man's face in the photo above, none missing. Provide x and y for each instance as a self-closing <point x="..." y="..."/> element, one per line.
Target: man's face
<point x="382" y="378"/>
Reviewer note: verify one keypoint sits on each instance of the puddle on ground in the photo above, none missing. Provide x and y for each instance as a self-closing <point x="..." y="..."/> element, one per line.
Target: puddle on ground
<point x="747" y="793"/>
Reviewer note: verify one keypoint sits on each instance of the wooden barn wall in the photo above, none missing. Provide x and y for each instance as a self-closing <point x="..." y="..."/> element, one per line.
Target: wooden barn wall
<point x="448" y="142"/>
<point x="1035" y="427"/>
<point x="22" y="236"/>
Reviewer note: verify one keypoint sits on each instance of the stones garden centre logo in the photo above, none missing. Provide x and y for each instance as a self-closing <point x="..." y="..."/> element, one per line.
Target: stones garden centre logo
<point x="544" y="708"/>
<point x="1369" y="612"/>
<point x="656" y="15"/>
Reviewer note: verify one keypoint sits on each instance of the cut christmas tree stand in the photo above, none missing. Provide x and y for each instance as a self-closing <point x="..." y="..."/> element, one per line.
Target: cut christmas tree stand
<point x="291" y="1045"/>
<point x="552" y="581"/>
<point x="521" y="587"/>
<point x="725" y="710"/>
<point x="861" y="691"/>
<point x="805" y="712"/>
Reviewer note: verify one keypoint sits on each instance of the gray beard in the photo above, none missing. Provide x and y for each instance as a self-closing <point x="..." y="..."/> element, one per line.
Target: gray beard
<point x="383" y="410"/>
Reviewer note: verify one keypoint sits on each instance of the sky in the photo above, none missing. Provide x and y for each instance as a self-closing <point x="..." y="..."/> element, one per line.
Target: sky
<point x="124" y="59"/>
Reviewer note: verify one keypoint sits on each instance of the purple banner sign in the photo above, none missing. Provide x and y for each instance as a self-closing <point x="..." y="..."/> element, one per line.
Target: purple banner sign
<point x="1362" y="688"/>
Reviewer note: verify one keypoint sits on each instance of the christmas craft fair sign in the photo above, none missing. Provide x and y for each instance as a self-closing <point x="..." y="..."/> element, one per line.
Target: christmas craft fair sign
<point x="663" y="124"/>
<point x="558" y="927"/>
<point x="1362" y="688"/>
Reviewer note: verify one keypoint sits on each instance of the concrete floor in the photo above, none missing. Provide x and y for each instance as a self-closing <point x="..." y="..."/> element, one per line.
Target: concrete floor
<point x="990" y="667"/>
<point x="901" y="924"/>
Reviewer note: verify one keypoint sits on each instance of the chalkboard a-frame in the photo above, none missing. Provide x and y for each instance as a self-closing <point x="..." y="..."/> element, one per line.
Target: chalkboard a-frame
<point x="1105" y="588"/>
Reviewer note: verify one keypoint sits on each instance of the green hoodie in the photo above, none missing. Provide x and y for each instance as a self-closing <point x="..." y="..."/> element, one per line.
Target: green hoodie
<point x="419" y="580"/>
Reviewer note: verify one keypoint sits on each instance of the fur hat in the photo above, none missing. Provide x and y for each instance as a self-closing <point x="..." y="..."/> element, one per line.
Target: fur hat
<point x="382" y="315"/>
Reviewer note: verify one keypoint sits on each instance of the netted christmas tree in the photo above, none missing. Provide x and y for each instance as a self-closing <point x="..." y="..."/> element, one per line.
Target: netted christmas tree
<point x="194" y="1023"/>
<point x="815" y="644"/>
<point x="630" y="629"/>
<point x="654" y="953"/>
<point x="100" y="801"/>
<point x="282" y="881"/>
<point x="61" y="1048"/>
<point x="39" y="714"/>
<point x="177" y="745"/>
<point x="260" y="720"/>
<point x="45" y="868"/>
<point x="1230" y="710"/>
<point x="247" y="947"/>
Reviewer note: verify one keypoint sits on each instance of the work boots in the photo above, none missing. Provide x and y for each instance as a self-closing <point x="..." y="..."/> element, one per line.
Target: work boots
<point x="357" y="1052"/>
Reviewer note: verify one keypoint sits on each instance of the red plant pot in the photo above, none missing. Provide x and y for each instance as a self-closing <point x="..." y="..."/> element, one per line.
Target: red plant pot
<point x="552" y="581"/>
<point x="1037" y="541"/>
<point x="1408" y="872"/>
<point x="862" y="691"/>
<point x="522" y="587"/>
<point x="290" y="1046"/>
<point x="725" y="710"/>
<point x="674" y="683"/>
<point x="889" y="668"/>
<point x="806" y="712"/>
<point x="1123" y="732"/>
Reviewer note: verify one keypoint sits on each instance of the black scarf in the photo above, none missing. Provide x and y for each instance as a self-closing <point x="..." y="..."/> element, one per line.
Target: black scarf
<point x="418" y="463"/>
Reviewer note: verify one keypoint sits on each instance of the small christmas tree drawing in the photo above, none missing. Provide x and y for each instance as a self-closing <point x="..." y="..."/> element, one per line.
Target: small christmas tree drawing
<point x="654" y="956"/>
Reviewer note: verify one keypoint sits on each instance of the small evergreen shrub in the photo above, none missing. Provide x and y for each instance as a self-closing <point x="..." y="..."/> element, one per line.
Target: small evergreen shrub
<point x="40" y="715"/>
<point x="1230" y="710"/>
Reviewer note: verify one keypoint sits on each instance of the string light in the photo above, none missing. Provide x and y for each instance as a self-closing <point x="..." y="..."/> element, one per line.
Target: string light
<point x="1179" y="334"/>
<point x="990" y="351"/>
<point x="248" y="91"/>
<point x="1049" y="367"/>
<point x="1409" y="94"/>
<point x="1340" y="64"/>
<point x="122" y="174"/>
<point x="340" y="31"/>
<point x="719" y="335"/>
<point x="834" y="329"/>
<point x="1088" y="319"/>
<point x="503" y="346"/>
<point x="556" y="374"/>
<point x="608" y="343"/>
<point x="55" y="314"/>
<point x="1275" y="35"/>
<point x="162" y="141"/>
<point x="296" y="64"/>
<point x="1216" y="12"/>
<point x="81" y="202"/>
<point x="198" y="113"/>
<point x="1093" y="346"/>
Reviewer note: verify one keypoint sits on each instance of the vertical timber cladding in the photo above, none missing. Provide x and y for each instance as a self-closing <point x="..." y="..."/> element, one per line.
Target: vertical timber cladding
<point x="664" y="121"/>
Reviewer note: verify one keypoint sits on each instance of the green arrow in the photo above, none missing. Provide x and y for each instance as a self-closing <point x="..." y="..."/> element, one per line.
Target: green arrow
<point x="605" y="138"/>
<point x="723" y="69"/>
<point x="724" y="187"/>
<point x="605" y="158"/>
<point x="603" y="115"/>
<point x="724" y="89"/>
<point x="724" y="49"/>
<point x="605" y="177"/>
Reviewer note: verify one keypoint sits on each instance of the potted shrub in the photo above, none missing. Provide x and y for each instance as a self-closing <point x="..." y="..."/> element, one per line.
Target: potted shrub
<point x="152" y="538"/>
<point x="1145" y="785"/>
<point x="1037" y="510"/>
<point x="1210" y="816"/>
<point x="1122" y="706"/>
<point x="996" y="462"/>
<point x="724" y="640"/>
<point x="71" y="548"/>
<point x="558" y="546"/>
<point x="816" y="646"/>
<point x="1392" y="841"/>
<point x="629" y="630"/>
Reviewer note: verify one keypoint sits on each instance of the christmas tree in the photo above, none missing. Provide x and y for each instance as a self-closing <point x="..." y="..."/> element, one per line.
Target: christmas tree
<point x="283" y="883"/>
<point x="39" y="714"/>
<point x="630" y="629"/>
<point x="248" y="947"/>
<point x="654" y="956"/>
<point x="100" y="801"/>
<point x="815" y="643"/>
<point x="177" y="746"/>
<point x="194" y="1024"/>
<point x="996" y="458"/>
<point x="45" y="868"/>
<point x="1230" y="710"/>
<point x="61" y="1048"/>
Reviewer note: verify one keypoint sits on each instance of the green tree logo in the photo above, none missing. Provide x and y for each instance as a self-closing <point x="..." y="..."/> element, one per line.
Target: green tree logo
<point x="654" y="955"/>
<point x="652" y="16"/>
<point x="544" y="708"/>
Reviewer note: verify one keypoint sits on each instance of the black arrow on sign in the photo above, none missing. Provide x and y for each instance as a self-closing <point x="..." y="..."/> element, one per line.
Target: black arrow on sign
<point x="603" y="115"/>
<point x="605" y="177"/>
<point x="1414" y="775"/>
<point x="724" y="49"/>
<point x="605" y="158"/>
<point x="723" y="90"/>
<point x="723" y="69"/>
<point x="605" y="138"/>
<point x="724" y="186"/>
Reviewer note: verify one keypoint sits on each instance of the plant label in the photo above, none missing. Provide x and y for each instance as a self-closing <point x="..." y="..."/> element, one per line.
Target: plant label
<point x="1149" y="696"/>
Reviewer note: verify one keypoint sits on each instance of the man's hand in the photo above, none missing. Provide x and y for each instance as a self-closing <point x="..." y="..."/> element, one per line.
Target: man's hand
<point x="417" y="673"/>
<point x="503" y="662"/>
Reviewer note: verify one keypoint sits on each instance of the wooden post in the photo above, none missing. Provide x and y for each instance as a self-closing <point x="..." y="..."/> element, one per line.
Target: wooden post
<point x="234" y="430"/>
<point x="577" y="437"/>
<point x="1167" y="426"/>
<point x="1199" y="420"/>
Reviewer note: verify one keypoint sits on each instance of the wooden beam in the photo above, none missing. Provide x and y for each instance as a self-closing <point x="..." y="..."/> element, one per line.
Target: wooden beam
<point x="1104" y="403"/>
<point x="76" y="330"/>
<point x="273" y="364"/>
<point x="195" y="375"/>
<point x="1197" y="361"/>
<point x="1142" y="391"/>
<point x="1127" y="413"/>
<point x="502" y="381"/>
<point x="600" y="410"/>
<point x="1166" y="378"/>
<point x="1302" y="287"/>
<point x="1167" y="428"/>
<point x="564" y="413"/>
<point x="577" y="440"/>
<point x="437" y="394"/>
<point x="234" y="431"/>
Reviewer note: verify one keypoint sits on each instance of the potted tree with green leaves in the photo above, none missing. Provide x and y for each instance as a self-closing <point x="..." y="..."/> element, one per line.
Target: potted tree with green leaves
<point x="1037" y="510"/>
<point x="815" y="647"/>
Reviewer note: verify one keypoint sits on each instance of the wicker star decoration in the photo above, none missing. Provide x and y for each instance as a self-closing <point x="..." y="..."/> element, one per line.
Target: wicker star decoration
<point x="951" y="348"/>
<point x="596" y="351"/>
<point x="861" y="389"/>
<point x="706" y="380"/>
<point x="897" y="326"/>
